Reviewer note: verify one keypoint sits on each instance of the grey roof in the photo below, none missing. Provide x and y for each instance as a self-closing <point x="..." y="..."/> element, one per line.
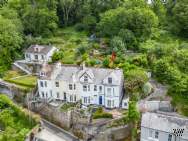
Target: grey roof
<point x="43" y="49"/>
<point x="72" y="73"/>
<point x="165" y="122"/>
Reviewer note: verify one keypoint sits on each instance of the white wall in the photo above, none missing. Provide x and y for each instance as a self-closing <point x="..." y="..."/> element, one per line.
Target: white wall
<point x="163" y="136"/>
<point x="30" y="57"/>
<point x="51" y="89"/>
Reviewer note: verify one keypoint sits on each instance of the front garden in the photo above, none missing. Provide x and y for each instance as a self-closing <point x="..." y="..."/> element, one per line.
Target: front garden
<point x="23" y="81"/>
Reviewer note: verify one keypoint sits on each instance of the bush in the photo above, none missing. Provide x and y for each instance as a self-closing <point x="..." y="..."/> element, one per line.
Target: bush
<point x="81" y="50"/>
<point x="92" y="62"/>
<point x="57" y="56"/>
<point x="106" y="62"/>
<point x="79" y="27"/>
<point x="101" y="114"/>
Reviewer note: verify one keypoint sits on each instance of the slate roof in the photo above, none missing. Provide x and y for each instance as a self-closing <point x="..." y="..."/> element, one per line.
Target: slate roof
<point x="72" y="73"/>
<point x="165" y="122"/>
<point x="43" y="49"/>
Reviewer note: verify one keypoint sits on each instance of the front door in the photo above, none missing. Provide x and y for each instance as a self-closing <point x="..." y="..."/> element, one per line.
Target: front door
<point x="100" y="100"/>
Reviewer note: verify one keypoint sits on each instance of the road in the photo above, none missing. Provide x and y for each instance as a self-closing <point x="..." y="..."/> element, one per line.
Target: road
<point x="58" y="132"/>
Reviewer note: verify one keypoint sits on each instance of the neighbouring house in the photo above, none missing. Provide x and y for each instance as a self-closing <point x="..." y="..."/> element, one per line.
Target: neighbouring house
<point x="151" y="1"/>
<point x="164" y="127"/>
<point x="71" y="83"/>
<point x="39" y="53"/>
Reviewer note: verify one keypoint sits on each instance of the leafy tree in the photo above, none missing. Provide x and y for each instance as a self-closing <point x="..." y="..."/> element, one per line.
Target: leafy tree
<point x="181" y="59"/>
<point x="135" y="79"/>
<point x="39" y="21"/>
<point x="66" y="6"/>
<point x="140" y="21"/>
<point x="128" y="38"/>
<point x="57" y="56"/>
<point x="180" y="16"/>
<point x="133" y="116"/>
<point x="3" y="2"/>
<point x="165" y="72"/>
<point x="160" y="10"/>
<point x="10" y="42"/>
<point x="89" y="22"/>
<point x="133" y="113"/>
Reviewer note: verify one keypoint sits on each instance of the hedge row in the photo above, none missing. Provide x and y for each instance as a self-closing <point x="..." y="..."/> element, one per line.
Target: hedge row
<point x="102" y="115"/>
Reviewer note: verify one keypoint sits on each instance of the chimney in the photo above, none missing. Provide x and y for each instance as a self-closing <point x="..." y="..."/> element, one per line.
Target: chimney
<point x="58" y="65"/>
<point x="83" y="66"/>
<point x="36" y="48"/>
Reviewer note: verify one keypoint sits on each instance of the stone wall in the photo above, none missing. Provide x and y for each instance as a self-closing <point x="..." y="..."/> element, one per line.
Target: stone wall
<point x="113" y="134"/>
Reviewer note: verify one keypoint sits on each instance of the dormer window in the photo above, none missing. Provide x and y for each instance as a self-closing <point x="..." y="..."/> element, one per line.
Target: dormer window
<point x="109" y="80"/>
<point x="85" y="78"/>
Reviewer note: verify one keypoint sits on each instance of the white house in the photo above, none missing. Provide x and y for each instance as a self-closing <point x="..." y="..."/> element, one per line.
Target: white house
<point x="39" y="53"/>
<point x="71" y="83"/>
<point x="163" y="127"/>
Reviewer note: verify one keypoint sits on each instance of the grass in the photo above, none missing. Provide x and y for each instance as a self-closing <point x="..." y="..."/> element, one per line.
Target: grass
<point x="68" y="40"/>
<point x="12" y="74"/>
<point x="23" y="81"/>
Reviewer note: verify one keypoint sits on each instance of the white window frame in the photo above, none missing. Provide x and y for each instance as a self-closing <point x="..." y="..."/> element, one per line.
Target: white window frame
<point x="70" y="87"/>
<point x="109" y="91"/>
<point x="85" y="88"/>
<point x="95" y="87"/>
<point x="109" y="80"/>
<point x="156" y="134"/>
<point x="57" y="84"/>
<point x="85" y="78"/>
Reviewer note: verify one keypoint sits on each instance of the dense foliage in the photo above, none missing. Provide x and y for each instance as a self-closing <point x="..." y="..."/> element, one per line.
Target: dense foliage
<point x="130" y="34"/>
<point x="14" y="122"/>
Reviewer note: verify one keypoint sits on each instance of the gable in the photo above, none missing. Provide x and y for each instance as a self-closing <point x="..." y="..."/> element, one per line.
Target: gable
<point x="111" y="79"/>
<point x="86" y="78"/>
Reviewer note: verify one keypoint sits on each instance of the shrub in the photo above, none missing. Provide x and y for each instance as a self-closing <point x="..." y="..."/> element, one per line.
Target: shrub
<point x="92" y="62"/>
<point x="79" y="27"/>
<point x="101" y="114"/>
<point x="57" y="56"/>
<point x="106" y="62"/>
<point x="81" y="50"/>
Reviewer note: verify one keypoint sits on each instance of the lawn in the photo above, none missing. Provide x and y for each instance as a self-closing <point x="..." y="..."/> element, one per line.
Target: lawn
<point x="25" y="81"/>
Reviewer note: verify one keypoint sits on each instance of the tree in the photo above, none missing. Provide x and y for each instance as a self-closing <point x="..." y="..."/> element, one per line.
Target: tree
<point x="140" y="21"/>
<point x="39" y="21"/>
<point x="3" y="2"/>
<point x="10" y="42"/>
<point x="133" y="116"/>
<point x="180" y="17"/>
<point x="135" y="79"/>
<point x="160" y="10"/>
<point x="89" y="22"/>
<point x="66" y="6"/>
<point x="128" y="38"/>
<point x="165" y="72"/>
